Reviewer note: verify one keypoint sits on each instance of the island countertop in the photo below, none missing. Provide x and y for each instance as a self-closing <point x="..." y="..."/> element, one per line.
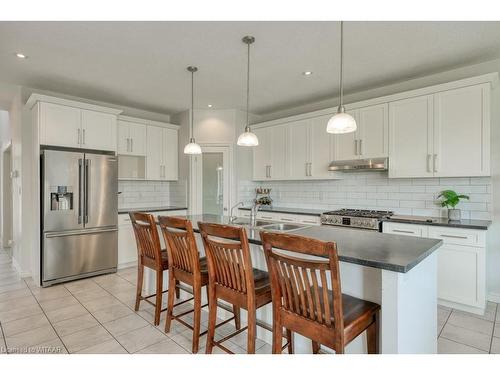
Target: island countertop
<point x="367" y="248"/>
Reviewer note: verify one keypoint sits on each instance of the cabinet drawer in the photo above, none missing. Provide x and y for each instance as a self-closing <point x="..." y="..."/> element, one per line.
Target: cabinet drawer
<point x="458" y="236"/>
<point x="310" y="220"/>
<point x="405" y="229"/>
<point x="243" y="213"/>
<point x="287" y="218"/>
<point x="267" y="216"/>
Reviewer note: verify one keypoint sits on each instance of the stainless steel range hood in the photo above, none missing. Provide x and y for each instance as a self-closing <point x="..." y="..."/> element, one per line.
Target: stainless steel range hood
<point x="380" y="164"/>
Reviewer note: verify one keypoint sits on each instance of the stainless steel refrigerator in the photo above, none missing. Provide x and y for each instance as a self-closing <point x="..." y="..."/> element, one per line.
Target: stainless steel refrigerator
<point x="79" y="214"/>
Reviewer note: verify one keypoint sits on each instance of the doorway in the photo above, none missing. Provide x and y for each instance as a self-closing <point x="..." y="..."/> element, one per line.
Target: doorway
<point x="211" y="180"/>
<point x="6" y="203"/>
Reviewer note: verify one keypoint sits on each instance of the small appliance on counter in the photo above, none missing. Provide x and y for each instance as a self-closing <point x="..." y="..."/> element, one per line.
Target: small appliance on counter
<point x="363" y="219"/>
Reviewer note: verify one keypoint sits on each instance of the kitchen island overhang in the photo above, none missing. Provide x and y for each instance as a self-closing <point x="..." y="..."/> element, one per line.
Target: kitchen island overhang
<point x="398" y="272"/>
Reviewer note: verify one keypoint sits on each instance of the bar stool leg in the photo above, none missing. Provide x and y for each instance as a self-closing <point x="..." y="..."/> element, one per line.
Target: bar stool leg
<point x="170" y="306"/>
<point x="212" y="318"/>
<point x="177" y="290"/>
<point x="372" y="337"/>
<point x="315" y="347"/>
<point x="196" y="317"/>
<point x="159" y="289"/>
<point x="237" y="317"/>
<point x="277" y="337"/>
<point x="140" y="279"/>
<point x="289" y="337"/>
<point x="252" y="326"/>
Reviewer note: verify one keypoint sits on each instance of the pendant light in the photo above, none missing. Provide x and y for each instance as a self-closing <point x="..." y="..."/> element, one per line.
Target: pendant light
<point x="341" y="122"/>
<point x="192" y="148"/>
<point x="247" y="138"/>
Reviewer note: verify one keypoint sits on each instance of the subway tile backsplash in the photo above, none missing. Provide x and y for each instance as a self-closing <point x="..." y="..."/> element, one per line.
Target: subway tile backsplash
<point x="135" y="194"/>
<point x="375" y="191"/>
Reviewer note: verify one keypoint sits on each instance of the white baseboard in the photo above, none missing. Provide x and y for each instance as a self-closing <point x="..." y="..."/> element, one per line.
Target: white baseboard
<point x="127" y="265"/>
<point x="18" y="269"/>
<point x="494" y="297"/>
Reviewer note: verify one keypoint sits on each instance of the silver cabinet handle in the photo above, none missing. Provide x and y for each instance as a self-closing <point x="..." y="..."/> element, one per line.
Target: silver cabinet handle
<point x="83" y="136"/>
<point x="355" y="147"/>
<point x="131" y="145"/>
<point x="267" y="217"/>
<point x="79" y="136"/>
<point x="285" y="219"/>
<point x="310" y="170"/>
<point x="360" y="146"/>
<point x="307" y="169"/>
<point x="309" y="221"/>
<point x="270" y="171"/>
<point x="429" y="163"/>
<point x="128" y="144"/>
<point x="451" y="236"/>
<point x="403" y="231"/>
<point x="435" y="162"/>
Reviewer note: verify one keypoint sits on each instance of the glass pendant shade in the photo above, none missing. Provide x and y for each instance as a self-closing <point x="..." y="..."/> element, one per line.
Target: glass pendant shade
<point x="247" y="138"/>
<point x="341" y="123"/>
<point x="192" y="148"/>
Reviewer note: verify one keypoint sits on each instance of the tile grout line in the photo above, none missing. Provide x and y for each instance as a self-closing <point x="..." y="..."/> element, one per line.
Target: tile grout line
<point x="46" y="317"/>
<point x="494" y="324"/>
<point x="99" y="323"/>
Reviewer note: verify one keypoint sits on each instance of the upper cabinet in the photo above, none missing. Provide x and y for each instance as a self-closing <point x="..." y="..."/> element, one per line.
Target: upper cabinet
<point x="441" y="135"/>
<point x="370" y="140"/>
<point x="131" y="138"/>
<point x="67" y="123"/>
<point x="437" y="131"/>
<point x="161" y="153"/>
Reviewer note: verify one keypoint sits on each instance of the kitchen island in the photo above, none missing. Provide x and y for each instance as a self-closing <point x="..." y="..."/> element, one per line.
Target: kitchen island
<point x="398" y="272"/>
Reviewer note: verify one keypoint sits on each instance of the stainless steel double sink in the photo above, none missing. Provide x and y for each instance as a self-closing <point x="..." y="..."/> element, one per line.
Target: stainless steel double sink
<point x="268" y="225"/>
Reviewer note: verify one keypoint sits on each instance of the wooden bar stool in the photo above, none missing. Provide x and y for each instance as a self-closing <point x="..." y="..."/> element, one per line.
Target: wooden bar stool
<point x="302" y="300"/>
<point x="186" y="266"/>
<point x="232" y="279"/>
<point x="150" y="255"/>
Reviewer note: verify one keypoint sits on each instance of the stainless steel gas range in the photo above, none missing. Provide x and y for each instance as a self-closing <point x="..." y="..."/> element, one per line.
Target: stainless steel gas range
<point x="363" y="219"/>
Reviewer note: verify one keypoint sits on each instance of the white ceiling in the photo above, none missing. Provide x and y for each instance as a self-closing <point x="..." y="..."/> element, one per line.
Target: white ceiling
<point x="142" y="64"/>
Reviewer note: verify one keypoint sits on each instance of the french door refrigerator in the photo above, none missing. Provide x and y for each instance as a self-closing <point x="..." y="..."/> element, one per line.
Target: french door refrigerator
<point x="79" y="214"/>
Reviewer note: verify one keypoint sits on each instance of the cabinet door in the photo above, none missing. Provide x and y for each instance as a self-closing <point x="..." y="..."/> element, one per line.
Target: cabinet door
<point x="127" y="249"/>
<point x="461" y="132"/>
<point x="374" y="129"/>
<point x="98" y="130"/>
<point x="261" y="155"/>
<point x="154" y="167"/>
<point x="410" y="137"/>
<point x="345" y="144"/>
<point x="170" y="164"/>
<point x="123" y="142"/>
<point x="60" y="125"/>
<point x="278" y="162"/>
<point x="458" y="274"/>
<point x="137" y="135"/>
<point x="321" y="144"/>
<point x="298" y="149"/>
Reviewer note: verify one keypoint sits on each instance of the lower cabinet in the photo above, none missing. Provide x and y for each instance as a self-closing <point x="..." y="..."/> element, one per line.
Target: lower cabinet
<point x="283" y="217"/>
<point x="127" y="248"/>
<point x="461" y="263"/>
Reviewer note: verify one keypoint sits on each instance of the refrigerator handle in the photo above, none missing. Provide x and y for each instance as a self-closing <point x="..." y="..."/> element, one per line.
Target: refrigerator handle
<point x="87" y="188"/>
<point x="80" y="165"/>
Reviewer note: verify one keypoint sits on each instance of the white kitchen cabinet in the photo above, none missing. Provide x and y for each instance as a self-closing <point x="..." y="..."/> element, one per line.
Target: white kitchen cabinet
<point x="322" y="149"/>
<point x="461" y="263"/>
<point x="131" y="138"/>
<point x="298" y="156"/>
<point x="59" y="125"/>
<point x="446" y="134"/>
<point x="462" y="132"/>
<point x="346" y="145"/>
<point x="161" y="156"/>
<point x="411" y="135"/>
<point x="269" y="157"/>
<point x="69" y="126"/>
<point x="373" y="135"/>
<point x="98" y="130"/>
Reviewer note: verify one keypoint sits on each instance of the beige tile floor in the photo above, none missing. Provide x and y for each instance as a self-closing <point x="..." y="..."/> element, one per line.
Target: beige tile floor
<point x="96" y="316"/>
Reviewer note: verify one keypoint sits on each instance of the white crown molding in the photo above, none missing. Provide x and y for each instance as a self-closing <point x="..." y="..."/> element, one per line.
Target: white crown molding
<point x="35" y="98"/>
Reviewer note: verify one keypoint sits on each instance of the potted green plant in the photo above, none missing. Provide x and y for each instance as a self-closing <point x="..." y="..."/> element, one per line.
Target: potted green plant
<point x="450" y="200"/>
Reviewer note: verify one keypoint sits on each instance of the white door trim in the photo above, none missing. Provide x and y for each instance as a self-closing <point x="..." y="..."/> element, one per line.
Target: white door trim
<point x="195" y="181"/>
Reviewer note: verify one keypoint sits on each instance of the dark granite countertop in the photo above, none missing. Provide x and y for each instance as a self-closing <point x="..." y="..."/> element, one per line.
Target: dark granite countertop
<point x="150" y="209"/>
<point x="440" y="221"/>
<point x="286" y="210"/>
<point x="364" y="247"/>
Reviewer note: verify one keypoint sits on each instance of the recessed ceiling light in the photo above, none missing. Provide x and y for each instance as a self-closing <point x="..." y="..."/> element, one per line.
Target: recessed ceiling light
<point x="307" y="73"/>
<point x="21" y="55"/>
<point x="210" y="106"/>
